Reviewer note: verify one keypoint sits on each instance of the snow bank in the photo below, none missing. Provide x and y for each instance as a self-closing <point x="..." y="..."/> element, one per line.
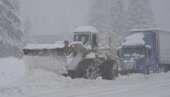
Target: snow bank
<point x="11" y="70"/>
<point x="42" y="81"/>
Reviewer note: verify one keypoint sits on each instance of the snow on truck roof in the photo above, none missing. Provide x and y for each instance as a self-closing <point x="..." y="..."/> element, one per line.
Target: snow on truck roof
<point x="149" y="29"/>
<point x="134" y="39"/>
<point x="86" y="29"/>
<point x="137" y="38"/>
<point x="58" y="44"/>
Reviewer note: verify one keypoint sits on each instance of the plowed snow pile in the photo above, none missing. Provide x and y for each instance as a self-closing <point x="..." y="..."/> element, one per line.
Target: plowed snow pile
<point x="19" y="82"/>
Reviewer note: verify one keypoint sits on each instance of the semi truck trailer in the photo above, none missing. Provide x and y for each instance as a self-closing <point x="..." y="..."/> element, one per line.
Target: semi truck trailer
<point x="144" y="51"/>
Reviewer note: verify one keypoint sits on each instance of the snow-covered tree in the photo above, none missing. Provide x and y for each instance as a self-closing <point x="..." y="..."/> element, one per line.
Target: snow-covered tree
<point x="117" y="17"/>
<point x="118" y="21"/>
<point x="26" y="25"/>
<point x="11" y="36"/>
<point x="98" y="17"/>
<point x="140" y="14"/>
<point x="108" y="16"/>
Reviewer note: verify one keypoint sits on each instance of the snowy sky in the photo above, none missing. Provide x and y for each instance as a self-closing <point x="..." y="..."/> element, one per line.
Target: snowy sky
<point x="62" y="16"/>
<point x="161" y="10"/>
<point x="54" y="16"/>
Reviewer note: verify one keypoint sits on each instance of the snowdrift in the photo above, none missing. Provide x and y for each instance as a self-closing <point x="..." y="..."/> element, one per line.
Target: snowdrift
<point x="15" y="83"/>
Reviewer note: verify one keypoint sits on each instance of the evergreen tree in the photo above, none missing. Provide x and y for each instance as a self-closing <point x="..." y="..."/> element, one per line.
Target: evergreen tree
<point x="27" y="29"/>
<point x="11" y="36"/>
<point x="117" y="17"/>
<point x="118" y="21"/>
<point x="108" y="16"/>
<point x="99" y="17"/>
<point x="140" y="14"/>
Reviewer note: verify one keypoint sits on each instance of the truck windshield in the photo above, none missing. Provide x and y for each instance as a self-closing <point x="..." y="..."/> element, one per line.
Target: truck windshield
<point x="132" y="51"/>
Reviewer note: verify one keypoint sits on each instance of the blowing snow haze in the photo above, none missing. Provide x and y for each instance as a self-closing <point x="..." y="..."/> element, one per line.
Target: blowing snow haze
<point x="37" y="61"/>
<point x="54" y="16"/>
<point x="62" y="16"/>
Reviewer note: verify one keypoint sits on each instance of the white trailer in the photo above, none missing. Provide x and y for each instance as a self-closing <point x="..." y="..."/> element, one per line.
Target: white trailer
<point x="164" y="48"/>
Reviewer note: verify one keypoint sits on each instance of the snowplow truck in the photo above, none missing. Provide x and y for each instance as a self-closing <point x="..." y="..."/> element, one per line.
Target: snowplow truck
<point x="144" y="51"/>
<point x="81" y="58"/>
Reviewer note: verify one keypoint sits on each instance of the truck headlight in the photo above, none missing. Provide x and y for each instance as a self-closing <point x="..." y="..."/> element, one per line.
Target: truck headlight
<point x="119" y="68"/>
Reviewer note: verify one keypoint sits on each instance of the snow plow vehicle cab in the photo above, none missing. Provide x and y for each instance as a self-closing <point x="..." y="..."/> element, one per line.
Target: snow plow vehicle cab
<point x="81" y="62"/>
<point x="88" y="61"/>
<point x="87" y="35"/>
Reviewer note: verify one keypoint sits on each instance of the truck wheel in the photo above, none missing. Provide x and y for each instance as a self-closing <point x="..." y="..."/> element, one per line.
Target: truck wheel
<point x="164" y="68"/>
<point x="115" y="71"/>
<point x="108" y="70"/>
<point x="72" y="74"/>
<point x="87" y="69"/>
<point x="90" y="72"/>
<point x="123" y="72"/>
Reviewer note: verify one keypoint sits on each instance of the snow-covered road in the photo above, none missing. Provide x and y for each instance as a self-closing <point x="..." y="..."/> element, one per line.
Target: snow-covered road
<point x="148" y="86"/>
<point x="40" y="83"/>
